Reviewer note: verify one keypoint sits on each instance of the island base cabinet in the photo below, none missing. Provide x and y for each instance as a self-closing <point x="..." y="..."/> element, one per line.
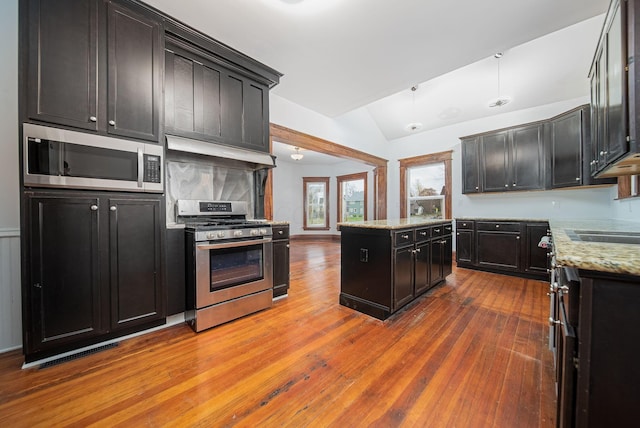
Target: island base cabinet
<point x="383" y="270"/>
<point x="366" y="274"/>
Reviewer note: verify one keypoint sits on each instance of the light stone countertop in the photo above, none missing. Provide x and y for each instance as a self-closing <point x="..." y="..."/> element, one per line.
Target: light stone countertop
<point x="596" y="256"/>
<point x="394" y="223"/>
<point x="518" y="219"/>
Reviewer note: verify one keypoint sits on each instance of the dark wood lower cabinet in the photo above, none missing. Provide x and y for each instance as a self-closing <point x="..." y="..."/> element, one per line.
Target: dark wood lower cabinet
<point x="596" y="347"/>
<point x="502" y="246"/>
<point x="382" y="270"/>
<point x="91" y="268"/>
<point x="281" y="252"/>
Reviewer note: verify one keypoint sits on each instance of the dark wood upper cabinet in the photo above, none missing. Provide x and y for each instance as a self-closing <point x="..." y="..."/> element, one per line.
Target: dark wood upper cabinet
<point x="615" y="95"/>
<point x="565" y="135"/>
<point x="494" y="162"/>
<point x="134" y="73"/>
<point x="527" y="158"/>
<point x="94" y="65"/>
<point x="471" y="165"/>
<point x="205" y="100"/>
<point x="63" y="62"/>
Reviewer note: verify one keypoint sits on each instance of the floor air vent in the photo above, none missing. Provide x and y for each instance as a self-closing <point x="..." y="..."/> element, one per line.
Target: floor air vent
<point x="76" y="356"/>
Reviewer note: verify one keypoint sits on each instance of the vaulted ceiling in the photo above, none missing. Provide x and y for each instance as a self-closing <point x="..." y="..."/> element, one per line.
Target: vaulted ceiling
<point x="341" y="55"/>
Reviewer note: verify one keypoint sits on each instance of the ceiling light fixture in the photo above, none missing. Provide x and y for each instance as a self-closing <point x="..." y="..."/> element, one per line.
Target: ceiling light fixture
<point x="502" y="99"/>
<point x="415" y="125"/>
<point x="297" y="155"/>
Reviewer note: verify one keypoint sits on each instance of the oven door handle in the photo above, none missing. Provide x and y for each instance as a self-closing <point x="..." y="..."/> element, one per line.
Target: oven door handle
<point x="246" y="243"/>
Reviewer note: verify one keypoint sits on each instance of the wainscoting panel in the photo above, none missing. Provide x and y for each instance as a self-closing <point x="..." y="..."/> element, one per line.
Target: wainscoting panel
<point x="10" y="300"/>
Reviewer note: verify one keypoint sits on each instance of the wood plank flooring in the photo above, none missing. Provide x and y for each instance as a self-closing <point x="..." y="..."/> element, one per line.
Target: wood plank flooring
<point x="470" y="353"/>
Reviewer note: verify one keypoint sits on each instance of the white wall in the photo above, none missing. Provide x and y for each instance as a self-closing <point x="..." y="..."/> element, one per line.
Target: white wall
<point x="10" y="304"/>
<point x="288" y="191"/>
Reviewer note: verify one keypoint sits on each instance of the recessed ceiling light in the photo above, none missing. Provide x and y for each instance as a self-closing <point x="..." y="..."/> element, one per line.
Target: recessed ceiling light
<point x="291" y="1"/>
<point x="499" y="102"/>
<point x="412" y="127"/>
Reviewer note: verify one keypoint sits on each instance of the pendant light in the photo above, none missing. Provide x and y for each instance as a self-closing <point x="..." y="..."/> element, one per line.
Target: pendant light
<point x="415" y="125"/>
<point x="297" y="155"/>
<point x="501" y="99"/>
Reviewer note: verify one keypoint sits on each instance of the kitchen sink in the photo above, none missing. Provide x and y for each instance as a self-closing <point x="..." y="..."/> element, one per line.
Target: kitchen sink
<point x="609" y="237"/>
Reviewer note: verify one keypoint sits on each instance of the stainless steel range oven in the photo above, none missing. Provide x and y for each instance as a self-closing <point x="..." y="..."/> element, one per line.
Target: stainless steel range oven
<point x="229" y="262"/>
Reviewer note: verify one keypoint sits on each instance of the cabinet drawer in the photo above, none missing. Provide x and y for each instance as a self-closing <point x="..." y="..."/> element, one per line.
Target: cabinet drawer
<point x="437" y="230"/>
<point x="403" y="237"/>
<point x="280" y="232"/>
<point x="447" y="229"/>
<point x="499" y="226"/>
<point x="423" y="234"/>
<point x="464" y="224"/>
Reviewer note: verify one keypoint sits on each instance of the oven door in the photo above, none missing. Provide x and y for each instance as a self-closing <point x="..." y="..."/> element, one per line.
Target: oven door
<point x="228" y="270"/>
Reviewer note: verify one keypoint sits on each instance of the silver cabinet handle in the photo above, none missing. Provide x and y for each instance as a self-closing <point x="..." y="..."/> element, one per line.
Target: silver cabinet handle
<point x="281" y="232"/>
<point x="417" y="250"/>
<point x="112" y="122"/>
<point x="464" y="224"/>
<point x="497" y="226"/>
<point x="506" y="185"/>
<point x="458" y="234"/>
<point x="140" y="167"/>
<point x="423" y="233"/>
<point x="113" y="208"/>
<point x="405" y="236"/>
<point x="94" y="208"/>
<point x="436" y="230"/>
<point x="577" y="178"/>
<point x="553" y="322"/>
<point x="517" y="238"/>
<point x="514" y="184"/>
<point x="288" y="246"/>
<point x="93" y="119"/>
<point x="476" y="187"/>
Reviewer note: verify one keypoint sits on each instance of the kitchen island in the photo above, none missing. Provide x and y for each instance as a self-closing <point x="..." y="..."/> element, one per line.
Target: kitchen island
<point x="595" y="295"/>
<point x="386" y="264"/>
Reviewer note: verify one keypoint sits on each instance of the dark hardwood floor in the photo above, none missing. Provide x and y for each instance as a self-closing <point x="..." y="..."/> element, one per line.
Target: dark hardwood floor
<point x="470" y="353"/>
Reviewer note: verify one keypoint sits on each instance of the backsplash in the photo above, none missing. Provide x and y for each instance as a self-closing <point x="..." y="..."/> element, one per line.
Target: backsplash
<point x="200" y="177"/>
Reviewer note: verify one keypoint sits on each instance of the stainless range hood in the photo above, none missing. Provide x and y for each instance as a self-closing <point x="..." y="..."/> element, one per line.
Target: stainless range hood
<point x="259" y="160"/>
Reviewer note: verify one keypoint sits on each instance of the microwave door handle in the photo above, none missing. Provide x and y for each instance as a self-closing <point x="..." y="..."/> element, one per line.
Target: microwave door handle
<point x="140" y="167"/>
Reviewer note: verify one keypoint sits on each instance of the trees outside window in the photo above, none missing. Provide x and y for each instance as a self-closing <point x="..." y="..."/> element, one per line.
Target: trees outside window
<point x="352" y="197"/>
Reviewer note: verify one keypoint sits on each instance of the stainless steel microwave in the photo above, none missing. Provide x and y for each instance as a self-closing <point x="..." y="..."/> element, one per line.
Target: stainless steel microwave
<point x="60" y="158"/>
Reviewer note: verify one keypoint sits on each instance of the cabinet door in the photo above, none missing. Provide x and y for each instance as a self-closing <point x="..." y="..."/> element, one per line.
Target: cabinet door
<point x="402" y="277"/>
<point x="134" y="72"/>
<point x="495" y="162"/>
<point x="527" y="158"/>
<point x="192" y="96"/>
<point x="62" y="291"/>
<point x="280" y="267"/>
<point x="464" y="247"/>
<point x="422" y="267"/>
<point x="447" y="255"/>
<point x="134" y="254"/>
<point x="255" y="123"/>
<point x="437" y="260"/>
<point x="616" y="77"/>
<point x="565" y="135"/>
<point x="470" y="166"/>
<point x="499" y="250"/>
<point x="63" y="74"/>
<point x="535" y="257"/>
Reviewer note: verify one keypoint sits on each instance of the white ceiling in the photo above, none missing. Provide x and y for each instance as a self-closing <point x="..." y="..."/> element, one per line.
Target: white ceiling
<point x="340" y="55"/>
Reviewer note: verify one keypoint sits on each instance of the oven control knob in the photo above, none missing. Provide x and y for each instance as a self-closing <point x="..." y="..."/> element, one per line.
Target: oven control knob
<point x="254" y="232"/>
<point x="211" y="235"/>
<point x="237" y="233"/>
<point x="263" y="231"/>
<point x="220" y="234"/>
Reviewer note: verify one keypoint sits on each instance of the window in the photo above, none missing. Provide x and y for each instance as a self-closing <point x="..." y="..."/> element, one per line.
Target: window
<point x="426" y="191"/>
<point x="316" y="203"/>
<point x="425" y="186"/>
<point x="352" y="197"/>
